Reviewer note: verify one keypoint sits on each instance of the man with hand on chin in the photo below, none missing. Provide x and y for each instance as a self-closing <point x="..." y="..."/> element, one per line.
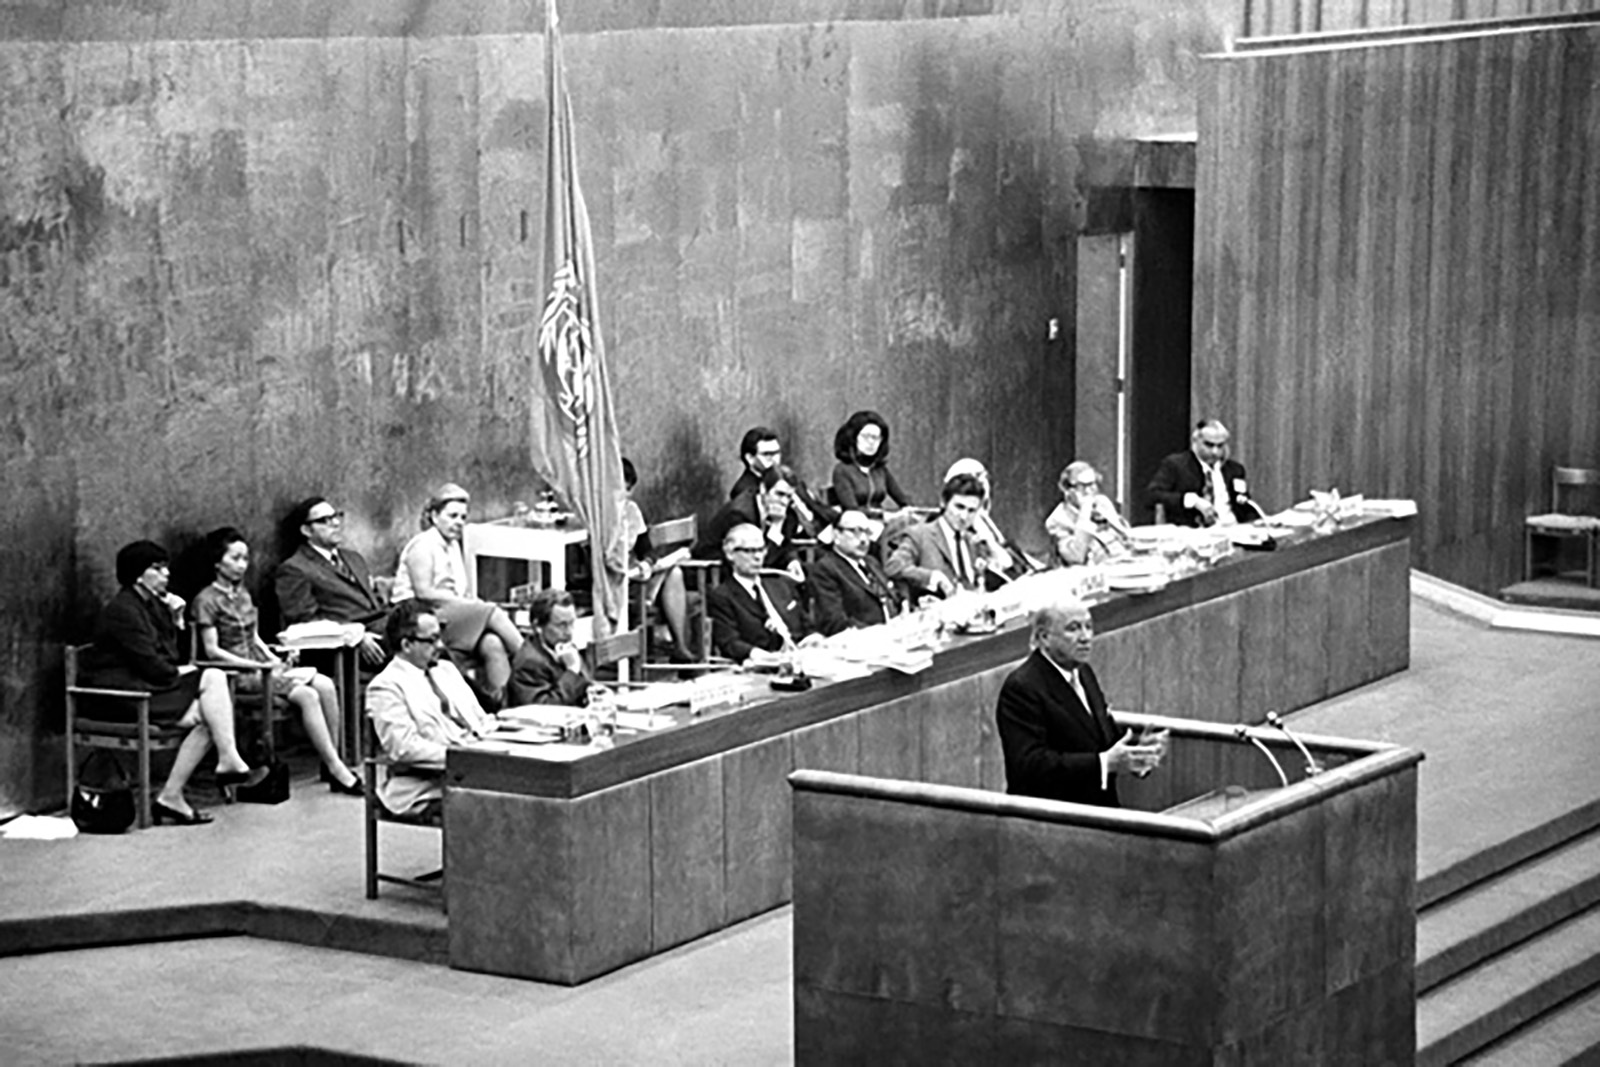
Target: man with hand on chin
<point x="1058" y="740"/>
<point x="1085" y="526"/>
<point x="549" y="669"/>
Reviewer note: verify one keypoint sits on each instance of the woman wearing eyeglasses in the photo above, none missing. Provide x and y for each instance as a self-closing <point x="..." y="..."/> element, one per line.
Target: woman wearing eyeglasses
<point x="1085" y="526"/>
<point x="136" y="647"/>
<point x="433" y="568"/>
<point x="862" y="480"/>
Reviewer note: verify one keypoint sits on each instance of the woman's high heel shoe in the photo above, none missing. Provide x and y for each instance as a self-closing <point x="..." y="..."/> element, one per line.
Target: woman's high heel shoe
<point x="163" y="814"/>
<point x="254" y="776"/>
<point x="354" y="789"/>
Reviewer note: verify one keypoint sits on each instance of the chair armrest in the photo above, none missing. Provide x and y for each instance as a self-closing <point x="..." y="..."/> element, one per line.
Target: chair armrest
<point x="90" y="691"/>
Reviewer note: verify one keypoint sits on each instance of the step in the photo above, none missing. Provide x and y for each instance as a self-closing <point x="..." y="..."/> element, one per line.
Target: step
<point x="1569" y="1034"/>
<point x="1491" y="916"/>
<point x="1504" y="855"/>
<point x="1468" y="1012"/>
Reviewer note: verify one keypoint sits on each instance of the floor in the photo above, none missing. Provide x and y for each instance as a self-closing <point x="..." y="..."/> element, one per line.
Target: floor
<point x="1507" y="720"/>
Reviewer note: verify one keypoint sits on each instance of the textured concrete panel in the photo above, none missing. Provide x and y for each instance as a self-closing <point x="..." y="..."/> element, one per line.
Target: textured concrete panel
<point x="687" y="858"/>
<point x="756" y="819"/>
<point x="869" y="920"/>
<point x="1105" y="931"/>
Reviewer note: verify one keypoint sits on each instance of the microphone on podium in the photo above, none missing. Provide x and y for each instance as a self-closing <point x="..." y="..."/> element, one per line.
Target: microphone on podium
<point x="1243" y="733"/>
<point x="1313" y="768"/>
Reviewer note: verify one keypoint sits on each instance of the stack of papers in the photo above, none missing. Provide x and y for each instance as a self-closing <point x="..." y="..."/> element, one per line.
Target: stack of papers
<point x="323" y="633"/>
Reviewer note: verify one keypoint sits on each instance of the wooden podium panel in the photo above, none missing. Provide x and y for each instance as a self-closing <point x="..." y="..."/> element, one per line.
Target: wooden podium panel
<point x="945" y="925"/>
<point x="675" y="834"/>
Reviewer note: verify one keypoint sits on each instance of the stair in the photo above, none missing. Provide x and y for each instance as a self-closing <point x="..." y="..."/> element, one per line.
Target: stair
<point x="1508" y="968"/>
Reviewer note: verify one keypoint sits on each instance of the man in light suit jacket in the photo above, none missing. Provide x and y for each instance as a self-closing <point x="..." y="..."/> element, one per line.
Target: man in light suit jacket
<point x="1202" y="486"/>
<point x="325" y="580"/>
<point x="1058" y="740"/>
<point x="420" y="706"/>
<point x="754" y="616"/>
<point x="940" y="557"/>
<point x="848" y="586"/>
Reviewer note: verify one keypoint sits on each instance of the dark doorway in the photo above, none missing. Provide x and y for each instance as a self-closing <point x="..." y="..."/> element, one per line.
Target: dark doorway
<point x="1159" y="368"/>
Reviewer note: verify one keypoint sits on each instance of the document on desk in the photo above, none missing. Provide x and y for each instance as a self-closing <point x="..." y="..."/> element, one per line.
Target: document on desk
<point x="557" y="752"/>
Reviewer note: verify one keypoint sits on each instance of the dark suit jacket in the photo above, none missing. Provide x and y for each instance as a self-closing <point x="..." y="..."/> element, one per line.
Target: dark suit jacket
<point x="1051" y="742"/>
<point x="841" y="600"/>
<point x="744" y="509"/>
<point x="824" y="513"/>
<point x="309" y="587"/>
<point x="739" y="621"/>
<point x="1181" y="473"/>
<point x="135" y="646"/>
<point x="922" y="549"/>
<point x="537" y="677"/>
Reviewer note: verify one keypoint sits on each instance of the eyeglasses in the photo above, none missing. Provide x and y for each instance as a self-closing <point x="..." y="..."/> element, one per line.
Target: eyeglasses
<point x="1086" y="485"/>
<point x="331" y="517"/>
<point x="431" y="639"/>
<point x="746" y="550"/>
<point x="769" y="453"/>
<point x="864" y="530"/>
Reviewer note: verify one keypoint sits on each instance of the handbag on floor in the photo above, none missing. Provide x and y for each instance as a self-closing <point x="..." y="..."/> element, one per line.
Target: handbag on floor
<point x="273" y="789"/>
<point x="103" y="808"/>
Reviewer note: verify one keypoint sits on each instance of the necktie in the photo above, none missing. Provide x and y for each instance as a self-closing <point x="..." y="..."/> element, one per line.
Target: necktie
<point x="1099" y="724"/>
<point x="445" y="707"/>
<point x="773" y="618"/>
<point x="342" y="568"/>
<point x="1219" y="495"/>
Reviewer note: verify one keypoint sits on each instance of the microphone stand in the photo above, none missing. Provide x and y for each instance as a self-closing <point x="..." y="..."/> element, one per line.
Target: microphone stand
<point x="1313" y="768"/>
<point x="1243" y="733"/>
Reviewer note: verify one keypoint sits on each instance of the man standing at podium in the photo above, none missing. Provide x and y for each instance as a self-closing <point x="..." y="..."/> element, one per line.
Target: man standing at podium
<point x="1059" y="742"/>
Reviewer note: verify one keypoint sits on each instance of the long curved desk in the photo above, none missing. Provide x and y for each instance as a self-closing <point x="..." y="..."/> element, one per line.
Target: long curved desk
<point x="564" y="871"/>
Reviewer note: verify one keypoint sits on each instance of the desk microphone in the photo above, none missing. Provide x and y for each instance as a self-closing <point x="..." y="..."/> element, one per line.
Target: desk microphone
<point x="1313" y="768"/>
<point x="1243" y="733"/>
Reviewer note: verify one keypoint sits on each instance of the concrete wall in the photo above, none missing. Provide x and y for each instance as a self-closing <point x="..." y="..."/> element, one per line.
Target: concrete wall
<point x="251" y="251"/>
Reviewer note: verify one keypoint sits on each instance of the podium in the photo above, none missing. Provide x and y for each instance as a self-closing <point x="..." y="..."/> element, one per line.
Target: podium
<point x="1221" y="917"/>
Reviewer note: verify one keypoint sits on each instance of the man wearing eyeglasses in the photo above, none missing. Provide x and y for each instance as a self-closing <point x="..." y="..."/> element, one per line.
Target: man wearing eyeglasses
<point x="324" y="580"/>
<point x="1085" y="526"/>
<point x="761" y="452"/>
<point x="756" y="615"/>
<point x="1202" y="486"/>
<point x="420" y="705"/>
<point x="848" y="586"/>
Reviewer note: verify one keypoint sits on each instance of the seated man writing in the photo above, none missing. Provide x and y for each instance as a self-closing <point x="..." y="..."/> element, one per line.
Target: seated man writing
<point x="939" y="558"/>
<point x="548" y="669"/>
<point x="755" y="616"/>
<point x="420" y="706"/>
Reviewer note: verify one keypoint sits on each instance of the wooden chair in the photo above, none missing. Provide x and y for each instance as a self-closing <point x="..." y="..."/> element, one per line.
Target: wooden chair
<point x="699" y="575"/>
<point x="139" y="736"/>
<point x="268" y="711"/>
<point x="1562" y="524"/>
<point x="372" y="761"/>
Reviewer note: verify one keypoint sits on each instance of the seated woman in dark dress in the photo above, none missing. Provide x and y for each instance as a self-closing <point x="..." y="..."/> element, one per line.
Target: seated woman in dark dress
<point x="136" y="647"/>
<point x="862" y="480"/>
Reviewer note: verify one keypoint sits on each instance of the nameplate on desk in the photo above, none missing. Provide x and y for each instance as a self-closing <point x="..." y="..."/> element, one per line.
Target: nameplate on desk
<point x="714" y="691"/>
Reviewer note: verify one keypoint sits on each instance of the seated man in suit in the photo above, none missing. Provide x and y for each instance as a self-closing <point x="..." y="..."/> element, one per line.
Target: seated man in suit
<point x="1201" y="486"/>
<point x="1058" y="740"/>
<point x="941" y="557"/>
<point x="848" y="586"/>
<point x="324" y="580"/>
<point x="754" y="616"/>
<point x="548" y="668"/>
<point x="770" y="509"/>
<point x="760" y="452"/>
<point x="1085" y="526"/>
<point x="420" y="706"/>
